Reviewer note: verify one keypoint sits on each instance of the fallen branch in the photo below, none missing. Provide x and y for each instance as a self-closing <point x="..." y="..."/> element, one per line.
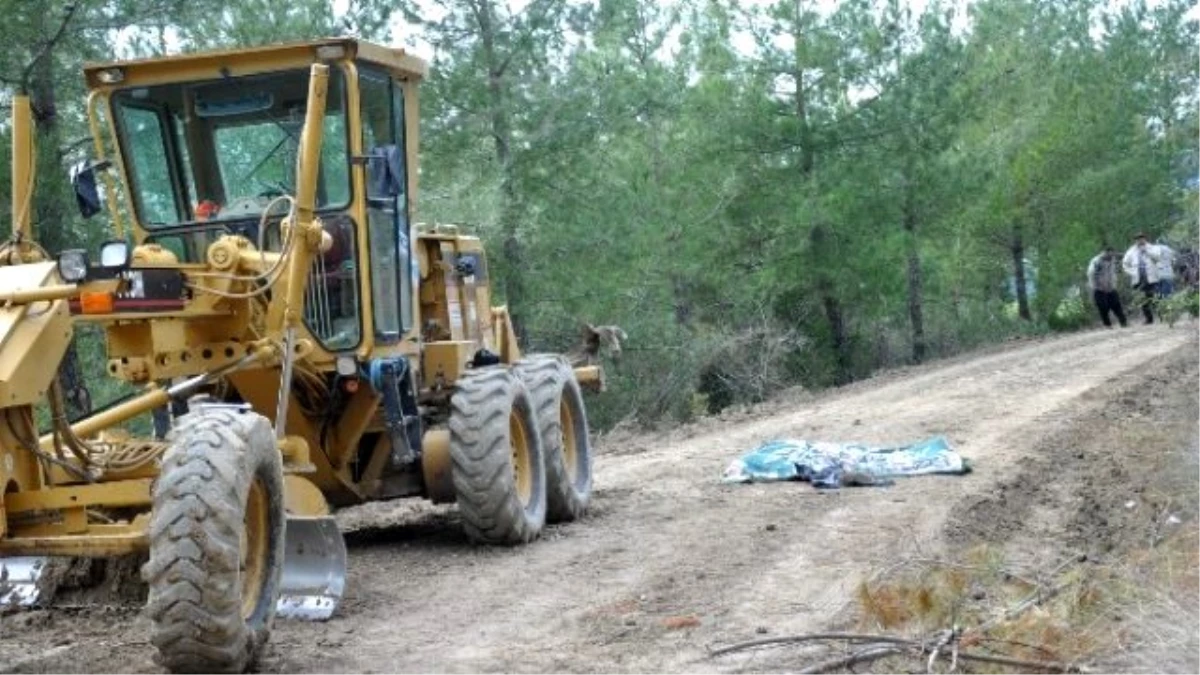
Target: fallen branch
<point x="1034" y="599"/>
<point x="888" y="645"/>
<point x="864" y="656"/>
<point x="810" y="637"/>
<point x="944" y="639"/>
<point x="1029" y="666"/>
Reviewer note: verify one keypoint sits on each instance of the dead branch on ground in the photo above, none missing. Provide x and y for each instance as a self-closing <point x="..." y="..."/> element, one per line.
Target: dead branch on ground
<point x="938" y="645"/>
<point x="880" y="646"/>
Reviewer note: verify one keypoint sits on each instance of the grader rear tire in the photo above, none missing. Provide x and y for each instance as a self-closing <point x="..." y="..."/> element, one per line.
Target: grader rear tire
<point x="562" y="424"/>
<point x="497" y="463"/>
<point x="216" y="542"/>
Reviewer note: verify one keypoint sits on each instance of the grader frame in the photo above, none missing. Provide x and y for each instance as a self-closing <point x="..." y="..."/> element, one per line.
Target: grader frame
<point x="390" y="375"/>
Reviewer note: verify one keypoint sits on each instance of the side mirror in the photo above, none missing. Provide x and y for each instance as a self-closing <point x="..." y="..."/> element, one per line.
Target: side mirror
<point x="114" y="255"/>
<point x="83" y="181"/>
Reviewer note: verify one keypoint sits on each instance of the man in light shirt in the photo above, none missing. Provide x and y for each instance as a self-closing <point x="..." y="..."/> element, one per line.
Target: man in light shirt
<point x="1141" y="264"/>
<point x="1102" y="279"/>
<point x="1166" y="270"/>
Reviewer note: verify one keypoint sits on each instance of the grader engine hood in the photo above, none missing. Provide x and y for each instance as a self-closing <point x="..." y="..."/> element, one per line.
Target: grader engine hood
<point x="28" y="324"/>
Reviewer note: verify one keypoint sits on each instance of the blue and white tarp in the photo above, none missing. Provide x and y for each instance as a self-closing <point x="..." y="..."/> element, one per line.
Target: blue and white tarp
<point x="825" y="464"/>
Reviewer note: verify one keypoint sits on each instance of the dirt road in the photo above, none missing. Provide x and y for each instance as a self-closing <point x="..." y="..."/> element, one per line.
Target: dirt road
<point x="666" y="542"/>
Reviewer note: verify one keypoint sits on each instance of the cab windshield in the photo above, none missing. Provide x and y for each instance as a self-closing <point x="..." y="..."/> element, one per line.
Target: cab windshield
<point x="224" y="149"/>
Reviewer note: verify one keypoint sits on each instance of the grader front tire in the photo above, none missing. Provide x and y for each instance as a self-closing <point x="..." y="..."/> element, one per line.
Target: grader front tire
<point x="497" y="463"/>
<point x="216" y="542"/>
<point x="563" y="426"/>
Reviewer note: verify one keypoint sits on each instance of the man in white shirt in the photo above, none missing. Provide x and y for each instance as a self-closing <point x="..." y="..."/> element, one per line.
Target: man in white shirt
<point x="1141" y="264"/>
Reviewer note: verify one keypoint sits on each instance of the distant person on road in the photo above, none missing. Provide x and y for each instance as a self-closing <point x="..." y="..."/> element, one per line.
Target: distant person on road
<point x="1166" y="270"/>
<point x="1141" y="264"/>
<point x="1102" y="279"/>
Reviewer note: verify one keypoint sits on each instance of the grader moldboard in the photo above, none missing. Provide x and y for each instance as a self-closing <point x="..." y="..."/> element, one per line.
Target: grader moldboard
<point x="312" y="347"/>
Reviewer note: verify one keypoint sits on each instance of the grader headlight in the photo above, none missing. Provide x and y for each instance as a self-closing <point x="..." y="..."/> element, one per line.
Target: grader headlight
<point x="73" y="265"/>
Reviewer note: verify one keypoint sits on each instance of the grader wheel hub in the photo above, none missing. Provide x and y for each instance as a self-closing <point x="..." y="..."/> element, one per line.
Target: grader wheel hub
<point x="521" y="460"/>
<point x="254" y="547"/>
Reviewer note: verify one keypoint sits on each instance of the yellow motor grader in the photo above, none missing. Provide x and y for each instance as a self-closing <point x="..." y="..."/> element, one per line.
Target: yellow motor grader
<point x="308" y="347"/>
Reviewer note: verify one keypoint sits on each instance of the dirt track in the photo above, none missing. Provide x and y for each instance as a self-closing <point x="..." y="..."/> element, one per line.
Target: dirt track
<point x="665" y="539"/>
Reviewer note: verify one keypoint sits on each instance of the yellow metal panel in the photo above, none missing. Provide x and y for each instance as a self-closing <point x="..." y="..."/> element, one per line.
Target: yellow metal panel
<point x="444" y="362"/>
<point x="22" y="168"/>
<point x="110" y="188"/>
<point x="252" y="60"/>
<point x="75" y="520"/>
<point x="436" y="466"/>
<point x="403" y="64"/>
<point x="590" y="377"/>
<point x="380" y="455"/>
<point x="505" y="337"/>
<point x="358" y="209"/>
<point x="260" y="388"/>
<point x="31" y="336"/>
<point x="100" y="541"/>
<point x="19" y="469"/>
<point x="16" y="278"/>
<point x="302" y="498"/>
<point x="354" y="422"/>
<point x="112" y="495"/>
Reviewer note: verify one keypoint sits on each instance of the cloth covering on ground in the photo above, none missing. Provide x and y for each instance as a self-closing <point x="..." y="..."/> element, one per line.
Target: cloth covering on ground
<point x="833" y="465"/>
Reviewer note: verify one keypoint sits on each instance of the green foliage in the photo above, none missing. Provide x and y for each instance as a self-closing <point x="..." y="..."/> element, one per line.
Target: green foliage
<point x="1179" y="305"/>
<point x="1072" y="313"/>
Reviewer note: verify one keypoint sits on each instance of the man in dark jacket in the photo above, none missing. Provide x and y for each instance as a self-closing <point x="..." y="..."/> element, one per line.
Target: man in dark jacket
<point x="1102" y="279"/>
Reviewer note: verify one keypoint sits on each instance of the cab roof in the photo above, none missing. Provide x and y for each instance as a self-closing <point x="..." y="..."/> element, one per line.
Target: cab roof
<point x="234" y="62"/>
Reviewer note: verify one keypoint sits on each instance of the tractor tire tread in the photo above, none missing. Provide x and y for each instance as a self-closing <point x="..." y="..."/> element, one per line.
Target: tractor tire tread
<point x="481" y="465"/>
<point x="550" y="380"/>
<point x="194" y="577"/>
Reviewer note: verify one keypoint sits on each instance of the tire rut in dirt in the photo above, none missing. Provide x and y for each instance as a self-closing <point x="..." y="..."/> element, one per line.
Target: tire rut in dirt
<point x="1092" y="468"/>
<point x="487" y="406"/>
<point x="568" y="452"/>
<point x="221" y="461"/>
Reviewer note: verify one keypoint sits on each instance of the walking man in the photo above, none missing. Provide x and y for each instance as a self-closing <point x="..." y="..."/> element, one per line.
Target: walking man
<point x="1102" y="279"/>
<point x="1166" y="270"/>
<point x="1141" y="264"/>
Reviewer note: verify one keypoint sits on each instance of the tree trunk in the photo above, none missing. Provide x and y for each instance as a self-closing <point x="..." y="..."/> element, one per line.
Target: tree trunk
<point x="1017" y="249"/>
<point x="915" y="308"/>
<point x="818" y="236"/>
<point x="49" y="197"/>
<point x="916" y="313"/>
<point x="818" y="239"/>
<point x="807" y="154"/>
<point x="501" y="124"/>
<point x="837" y="327"/>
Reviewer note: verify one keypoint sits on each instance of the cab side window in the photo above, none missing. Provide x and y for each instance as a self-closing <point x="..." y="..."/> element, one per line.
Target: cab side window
<point x="382" y="103"/>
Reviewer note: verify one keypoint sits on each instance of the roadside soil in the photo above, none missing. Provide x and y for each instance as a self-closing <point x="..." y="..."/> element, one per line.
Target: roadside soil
<point x="670" y="561"/>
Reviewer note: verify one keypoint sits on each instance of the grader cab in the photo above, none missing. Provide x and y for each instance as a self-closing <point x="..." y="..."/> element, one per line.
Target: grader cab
<point x="302" y="344"/>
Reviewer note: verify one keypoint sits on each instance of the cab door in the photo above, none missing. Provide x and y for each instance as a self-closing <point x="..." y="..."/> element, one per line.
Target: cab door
<point x="382" y="102"/>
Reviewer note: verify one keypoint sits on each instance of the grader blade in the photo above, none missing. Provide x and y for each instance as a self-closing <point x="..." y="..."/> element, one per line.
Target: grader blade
<point x="314" y="569"/>
<point x="19" y="580"/>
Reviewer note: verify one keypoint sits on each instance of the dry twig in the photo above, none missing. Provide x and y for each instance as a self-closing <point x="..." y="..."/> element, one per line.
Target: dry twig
<point x="944" y="639"/>
<point x="863" y="656"/>
<point x="810" y="637"/>
<point x="880" y="646"/>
